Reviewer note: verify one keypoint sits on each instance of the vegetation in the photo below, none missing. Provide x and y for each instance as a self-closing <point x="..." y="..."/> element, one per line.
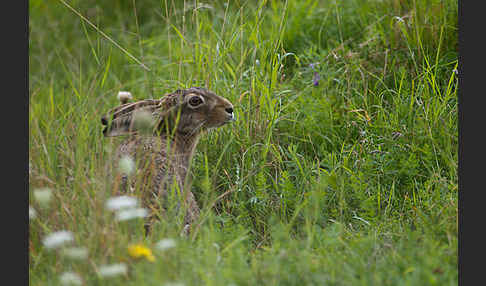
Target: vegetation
<point x="341" y="168"/>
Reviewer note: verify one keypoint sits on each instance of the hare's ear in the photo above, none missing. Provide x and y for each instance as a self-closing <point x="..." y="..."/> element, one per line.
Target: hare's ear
<point x="166" y="121"/>
<point x="130" y="118"/>
<point x="118" y="126"/>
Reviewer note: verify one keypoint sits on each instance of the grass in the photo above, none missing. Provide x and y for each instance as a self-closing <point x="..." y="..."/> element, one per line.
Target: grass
<point x="352" y="181"/>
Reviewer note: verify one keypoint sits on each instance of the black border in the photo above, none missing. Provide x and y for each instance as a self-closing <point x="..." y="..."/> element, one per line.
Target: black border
<point x="15" y="141"/>
<point x="471" y="126"/>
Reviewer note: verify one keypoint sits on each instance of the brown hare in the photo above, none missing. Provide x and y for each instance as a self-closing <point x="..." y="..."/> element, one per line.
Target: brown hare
<point x="162" y="137"/>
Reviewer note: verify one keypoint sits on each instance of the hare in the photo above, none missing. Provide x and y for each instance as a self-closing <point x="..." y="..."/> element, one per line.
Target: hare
<point x="162" y="137"/>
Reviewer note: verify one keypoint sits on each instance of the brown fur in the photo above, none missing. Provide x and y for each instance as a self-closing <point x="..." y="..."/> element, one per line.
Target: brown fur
<point x="163" y="149"/>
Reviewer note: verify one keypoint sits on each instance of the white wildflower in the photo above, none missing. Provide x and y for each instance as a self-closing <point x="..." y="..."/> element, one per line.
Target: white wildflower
<point x="165" y="243"/>
<point x="204" y="6"/>
<point x="121" y="202"/>
<point x="399" y="19"/>
<point x="57" y="239"/>
<point x="126" y="165"/>
<point x="124" y="96"/>
<point x="70" y="278"/>
<point x="112" y="270"/>
<point x="32" y="213"/>
<point x="75" y="253"/>
<point x="218" y="257"/>
<point x="143" y="121"/>
<point x="127" y="214"/>
<point x="108" y="149"/>
<point x="43" y="196"/>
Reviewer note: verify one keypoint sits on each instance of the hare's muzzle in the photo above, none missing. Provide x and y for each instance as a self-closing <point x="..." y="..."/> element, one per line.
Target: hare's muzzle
<point x="231" y="115"/>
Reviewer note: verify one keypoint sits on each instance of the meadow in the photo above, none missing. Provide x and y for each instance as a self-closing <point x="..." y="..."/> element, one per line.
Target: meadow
<point x="341" y="168"/>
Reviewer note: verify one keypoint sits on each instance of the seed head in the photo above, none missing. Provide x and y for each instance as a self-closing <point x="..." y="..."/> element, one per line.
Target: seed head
<point x="124" y="96"/>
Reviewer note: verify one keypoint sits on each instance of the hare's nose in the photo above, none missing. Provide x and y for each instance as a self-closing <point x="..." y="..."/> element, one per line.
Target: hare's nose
<point x="229" y="110"/>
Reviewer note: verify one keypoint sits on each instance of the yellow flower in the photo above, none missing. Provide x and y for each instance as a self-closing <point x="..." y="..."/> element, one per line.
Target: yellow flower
<point x="139" y="251"/>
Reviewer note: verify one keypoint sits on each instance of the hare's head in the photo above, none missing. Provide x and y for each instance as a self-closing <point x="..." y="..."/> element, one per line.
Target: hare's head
<point x="201" y="108"/>
<point x="186" y="112"/>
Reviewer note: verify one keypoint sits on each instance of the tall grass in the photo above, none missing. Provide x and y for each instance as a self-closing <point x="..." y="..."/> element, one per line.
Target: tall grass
<point x="348" y="178"/>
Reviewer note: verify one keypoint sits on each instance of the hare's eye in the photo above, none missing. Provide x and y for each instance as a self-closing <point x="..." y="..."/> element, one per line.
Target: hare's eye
<point x="195" y="101"/>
